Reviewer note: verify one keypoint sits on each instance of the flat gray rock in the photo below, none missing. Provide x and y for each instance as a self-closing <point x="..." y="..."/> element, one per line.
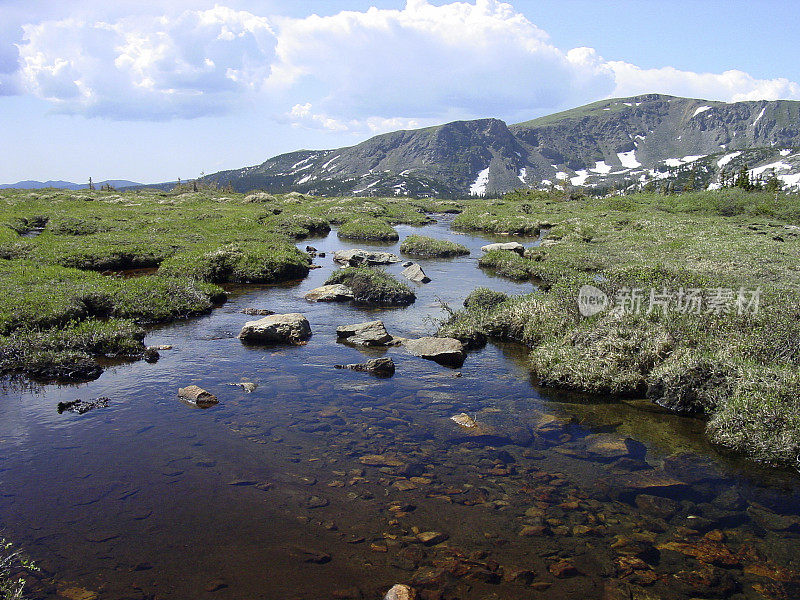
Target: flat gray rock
<point x="513" y="246"/>
<point x="357" y="256"/>
<point x="330" y="293"/>
<point x="415" y="273"/>
<point x="370" y="333"/>
<point x="445" y="351"/>
<point x="289" y="328"/>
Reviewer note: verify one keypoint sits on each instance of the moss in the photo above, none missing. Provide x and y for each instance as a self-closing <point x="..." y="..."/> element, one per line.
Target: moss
<point x="373" y="286"/>
<point x="269" y="262"/>
<point x="367" y="229"/>
<point x="423" y="246"/>
<point x="508" y="264"/>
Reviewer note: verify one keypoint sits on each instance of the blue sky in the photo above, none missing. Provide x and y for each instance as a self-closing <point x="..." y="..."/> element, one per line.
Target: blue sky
<point x="152" y="91"/>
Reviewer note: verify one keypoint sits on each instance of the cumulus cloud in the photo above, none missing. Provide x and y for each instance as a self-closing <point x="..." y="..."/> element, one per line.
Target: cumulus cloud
<point x="199" y="63"/>
<point x="731" y="86"/>
<point x="367" y="71"/>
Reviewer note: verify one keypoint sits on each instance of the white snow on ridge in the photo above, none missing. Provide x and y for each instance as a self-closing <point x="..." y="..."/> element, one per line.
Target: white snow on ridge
<point x="523" y="173"/>
<point x="562" y="175"/>
<point x="308" y="166"/>
<point x="689" y="159"/>
<point x="628" y="159"/>
<point x="673" y="162"/>
<point x="580" y="177"/>
<point x="758" y="118"/>
<point x="727" y="158"/>
<point x="780" y="165"/>
<point x="479" y="187"/>
<point x="303" y="179"/>
<point x="600" y="167"/>
<point x="790" y="180"/>
<point x="700" y="110"/>
<point x="325" y="166"/>
<point x="785" y="152"/>
<point x="546" y="182"/>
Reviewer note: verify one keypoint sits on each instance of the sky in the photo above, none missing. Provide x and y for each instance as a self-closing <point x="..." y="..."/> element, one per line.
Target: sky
<point x="152" y="91"/>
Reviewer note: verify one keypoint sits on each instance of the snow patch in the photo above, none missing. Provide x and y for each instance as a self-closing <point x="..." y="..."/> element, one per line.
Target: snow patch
<point x="479" y="187"/>
<point x="562" y="175"/>
<point x="700" y="110"/>
<point x="308" y="166"/>
<point x="303" y="179"/>
<point x="580" y="177"/>
<point x="547" y="182"/>
<point x="523" y="173"/>
<point x="601" y="167"/>
<point x="785" y="152"/>
<point x="325" y="166"/>
<point x="780" y="165"/>
<point x="305" y="160"/>
<point x="727" y="158"/>
<point x="673" y="162"/>
<point x="758" y="118"/>
<point x="790" y="180"/>
<point x="628" y="159"/>
<point x="690" y="159"/>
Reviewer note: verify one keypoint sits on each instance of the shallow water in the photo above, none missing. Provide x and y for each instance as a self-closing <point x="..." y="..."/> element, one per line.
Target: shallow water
<point x="274" y="494"/>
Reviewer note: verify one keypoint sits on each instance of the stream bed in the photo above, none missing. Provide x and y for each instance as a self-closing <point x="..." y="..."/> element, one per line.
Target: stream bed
<point x="326" y="483"/>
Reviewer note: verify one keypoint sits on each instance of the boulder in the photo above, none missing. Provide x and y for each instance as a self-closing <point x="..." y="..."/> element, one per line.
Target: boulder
<point x="289" y="328"/>
<point x="330" y="293"/>
<point x="400" y="592"/>
<point x="370" y="333"/>
<point x="197" y="396"/>
<point x="356" y="257"/>
<point x="513" y="246"/>
<point x="445" y="351"/>
<point x="415" y="273"/>
<point x="381" y="367"/>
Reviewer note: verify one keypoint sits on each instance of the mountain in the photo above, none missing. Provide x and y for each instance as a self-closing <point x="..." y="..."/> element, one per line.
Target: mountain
<point x="66" y="185"/>
<point x="623" y="141"/>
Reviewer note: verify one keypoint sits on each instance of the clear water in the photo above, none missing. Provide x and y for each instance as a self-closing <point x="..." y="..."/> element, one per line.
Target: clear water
<point x="265" y="495"/>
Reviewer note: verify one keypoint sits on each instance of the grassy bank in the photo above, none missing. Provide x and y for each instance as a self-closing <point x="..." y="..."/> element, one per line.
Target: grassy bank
<point x="428" y="247"/>
<point x="738" y="369"/>
<point x="373" y="286"/>
<point x="365" y="228"/>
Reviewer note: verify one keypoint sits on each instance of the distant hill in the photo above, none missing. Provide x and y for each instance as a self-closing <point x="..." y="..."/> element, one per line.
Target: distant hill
<point x="67" y="185"/>
<point x="623" y="142"/>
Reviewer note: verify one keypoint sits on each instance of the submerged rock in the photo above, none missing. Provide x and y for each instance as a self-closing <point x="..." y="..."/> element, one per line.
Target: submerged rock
<point x="289" y="328"/>
<point x="513" y="246"/>
<point x="356" y="257"/>
<point x="381" y="367"/>
<point x="415" y="273"/>
<point x="400" y="591"/>
<point x="261" y="312"/>
<point x="81" y="406"/>
<point x="464" y="420"/>
<point x="330" y="293"/>
<point x="445" y="351"/>
<point x="198" y="396"/>
<point x="247" y="386"/>
<point x="369" y="333"/>
<point x="151" y="354"/>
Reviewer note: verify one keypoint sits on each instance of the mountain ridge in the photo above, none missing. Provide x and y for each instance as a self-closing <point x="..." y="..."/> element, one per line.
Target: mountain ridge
<point x="619" y="141"/>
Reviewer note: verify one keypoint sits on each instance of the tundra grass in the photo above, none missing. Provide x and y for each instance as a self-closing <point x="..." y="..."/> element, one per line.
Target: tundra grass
<point x="373" y="286"/>
<point x="366" y="228"/>
<point x="740" y="370"/>
<point x="428" y="247"/>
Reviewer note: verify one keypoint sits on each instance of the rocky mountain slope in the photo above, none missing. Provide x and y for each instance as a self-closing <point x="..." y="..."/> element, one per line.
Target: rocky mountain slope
<point x="623" y="142"/>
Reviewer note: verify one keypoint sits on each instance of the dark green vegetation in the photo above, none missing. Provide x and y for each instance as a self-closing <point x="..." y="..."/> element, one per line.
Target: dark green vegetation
<point x="739" y="369"/>
<point x="368" y="229"/>
<point x="373" y="286"/>
<point x="428" y="247"/>
<point x="62" y="307"/>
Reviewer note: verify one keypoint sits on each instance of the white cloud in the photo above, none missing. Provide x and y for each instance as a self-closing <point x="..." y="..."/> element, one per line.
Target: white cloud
<point x="730" y="86"/>
<point x="368" y="71"/>
<point x="201" y="62"/>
